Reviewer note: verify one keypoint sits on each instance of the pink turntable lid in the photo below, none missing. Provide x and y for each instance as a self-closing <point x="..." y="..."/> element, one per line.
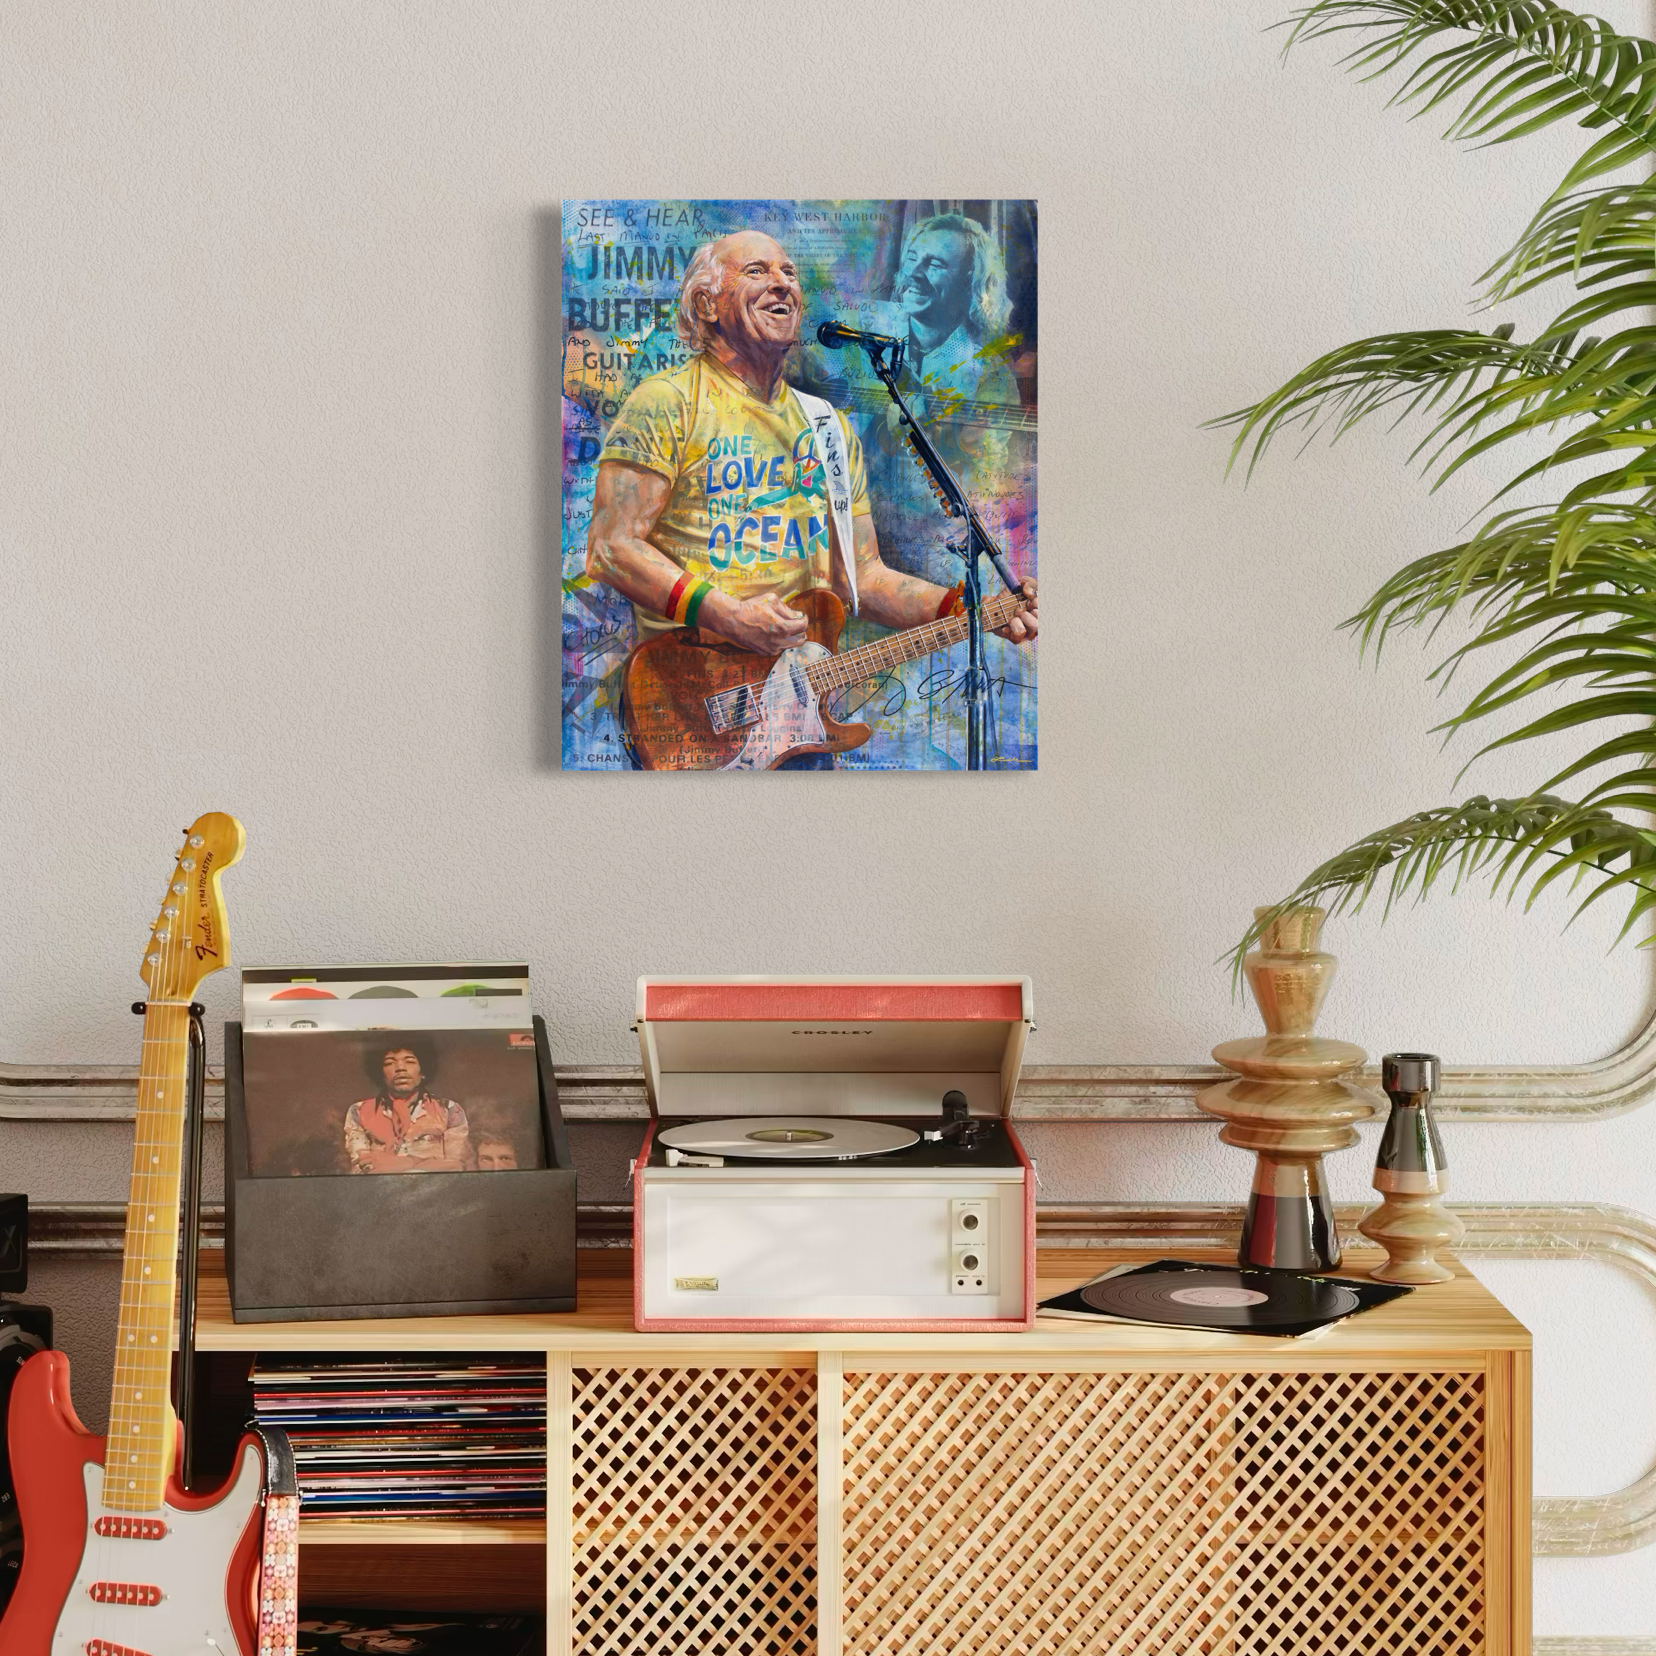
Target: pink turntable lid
<point x="718" y="1046"/>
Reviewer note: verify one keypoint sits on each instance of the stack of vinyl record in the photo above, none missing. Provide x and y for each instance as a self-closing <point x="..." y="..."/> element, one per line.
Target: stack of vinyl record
<point x="459" y="1437"/>
<point x="327" y="1631"/>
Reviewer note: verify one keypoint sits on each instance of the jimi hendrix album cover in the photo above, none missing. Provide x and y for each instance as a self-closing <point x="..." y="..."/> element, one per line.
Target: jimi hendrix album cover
<point x="785" y="423"/>
<point x="391" y="1101"/>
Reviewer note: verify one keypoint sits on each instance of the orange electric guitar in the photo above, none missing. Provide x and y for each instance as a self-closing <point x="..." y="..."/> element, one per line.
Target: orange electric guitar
<point x="691" y="701"/>
<point x="120" y="1560"/>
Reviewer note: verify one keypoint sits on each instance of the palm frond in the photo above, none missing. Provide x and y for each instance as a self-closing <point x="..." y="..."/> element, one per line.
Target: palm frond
<point x="1441" y="370"/>
<point x="1600" y="547"/>
<point x="1593" y="237"/>
<point x="1515" y="66"/>
<point x="1564" y="594"/>
<point x="1579" y="585"/>
<point x="1513" y="842"/>
<point x="1479" y="390"/>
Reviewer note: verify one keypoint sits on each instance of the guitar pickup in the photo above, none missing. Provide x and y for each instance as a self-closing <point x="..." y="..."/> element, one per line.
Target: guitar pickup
<point x="125" y="1592"/>
<point x="731" y="709"/>
<point x="130" y="1529"/>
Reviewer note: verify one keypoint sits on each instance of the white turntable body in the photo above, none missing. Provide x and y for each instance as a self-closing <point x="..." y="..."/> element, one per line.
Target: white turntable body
<point x="743" y="1220"/>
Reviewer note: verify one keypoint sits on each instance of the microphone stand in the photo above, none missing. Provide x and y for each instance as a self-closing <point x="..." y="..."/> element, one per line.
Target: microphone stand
<point x="975" y="543"/>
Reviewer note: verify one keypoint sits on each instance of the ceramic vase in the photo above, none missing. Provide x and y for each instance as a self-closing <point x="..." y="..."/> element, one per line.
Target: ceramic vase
<point x="1410" y="1173"/>
<point x="1294" y="1098"/>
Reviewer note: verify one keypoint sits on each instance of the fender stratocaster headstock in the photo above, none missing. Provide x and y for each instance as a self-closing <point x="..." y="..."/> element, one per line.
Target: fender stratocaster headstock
<point x="188" y="940"/>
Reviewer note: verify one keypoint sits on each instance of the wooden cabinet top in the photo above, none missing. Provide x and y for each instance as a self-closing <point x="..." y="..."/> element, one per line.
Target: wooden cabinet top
<point x="1445" y="1325"/>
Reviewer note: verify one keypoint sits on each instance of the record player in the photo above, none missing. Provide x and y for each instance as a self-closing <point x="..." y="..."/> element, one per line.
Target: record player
<point x="833" y="1153"/>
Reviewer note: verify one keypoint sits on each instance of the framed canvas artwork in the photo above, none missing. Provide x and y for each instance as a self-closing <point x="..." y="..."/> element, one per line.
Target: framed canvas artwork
<point x="794" y="435"/>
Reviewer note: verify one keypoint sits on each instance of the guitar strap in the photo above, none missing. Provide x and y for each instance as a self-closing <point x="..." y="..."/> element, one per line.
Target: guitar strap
<point x="278" y="1629"/>
<point x="829" y="436"/>
<point x="278" y="1632"/>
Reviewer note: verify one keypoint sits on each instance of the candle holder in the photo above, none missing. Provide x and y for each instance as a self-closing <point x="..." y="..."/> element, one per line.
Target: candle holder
<point x="1411" y="1223"/>
<point x="1294" y="1098"/>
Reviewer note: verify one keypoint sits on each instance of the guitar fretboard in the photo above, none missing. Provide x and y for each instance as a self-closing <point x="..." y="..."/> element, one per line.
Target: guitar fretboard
<point x="138" y="1452"/>
<point x="836" y="672"/>
<point x="949" y="410"/>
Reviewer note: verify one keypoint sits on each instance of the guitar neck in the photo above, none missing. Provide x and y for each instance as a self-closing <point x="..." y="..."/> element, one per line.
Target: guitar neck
<point x="950" y="410"/>
<point x="854" y="666"/>
<point x="139" y="1449"/>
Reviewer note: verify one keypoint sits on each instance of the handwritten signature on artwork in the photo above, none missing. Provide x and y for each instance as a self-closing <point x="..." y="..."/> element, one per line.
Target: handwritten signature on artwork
<point x="593" y="641"/>
<point x="885" y="694"/>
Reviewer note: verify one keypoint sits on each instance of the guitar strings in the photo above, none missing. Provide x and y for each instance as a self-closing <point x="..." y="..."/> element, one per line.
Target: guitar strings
<point x="161" y="1050"/>
<point x="154" y="1071"/>
<point x="163" y="985"/>
<point x="839" y="672"/>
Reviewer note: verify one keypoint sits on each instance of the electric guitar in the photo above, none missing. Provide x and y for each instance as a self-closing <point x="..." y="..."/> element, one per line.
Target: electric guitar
<point x="694" y="702"/>
<point x="120" y="1560"/>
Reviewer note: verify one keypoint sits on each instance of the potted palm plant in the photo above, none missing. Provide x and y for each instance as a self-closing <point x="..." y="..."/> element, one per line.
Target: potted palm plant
<point x="1570" y="586"/>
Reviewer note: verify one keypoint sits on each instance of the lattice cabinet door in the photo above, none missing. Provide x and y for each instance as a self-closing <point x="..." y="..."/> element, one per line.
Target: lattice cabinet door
<point x="691" y="1523"/>
<point x="1128" y="1514"/>
<point x="898" y="1511"/>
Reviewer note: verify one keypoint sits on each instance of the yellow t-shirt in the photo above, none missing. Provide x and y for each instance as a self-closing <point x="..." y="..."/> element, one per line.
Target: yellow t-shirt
<point x="748" y="511"/>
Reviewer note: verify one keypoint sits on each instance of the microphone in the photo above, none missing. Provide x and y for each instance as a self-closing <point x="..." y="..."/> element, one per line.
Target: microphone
<point x="835" y="336"/>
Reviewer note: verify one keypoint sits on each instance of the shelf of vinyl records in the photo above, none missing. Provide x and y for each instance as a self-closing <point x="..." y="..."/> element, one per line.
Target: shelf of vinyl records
<point x="1099" y="1486"/>
<point x="422" y="1532"/>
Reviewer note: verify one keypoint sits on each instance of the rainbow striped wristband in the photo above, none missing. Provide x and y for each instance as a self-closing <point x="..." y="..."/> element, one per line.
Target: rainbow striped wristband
<point x="685" y="601"/>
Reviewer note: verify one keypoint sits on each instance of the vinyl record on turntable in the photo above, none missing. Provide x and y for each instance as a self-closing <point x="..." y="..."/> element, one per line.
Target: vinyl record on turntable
<point x="789" y="1138"/>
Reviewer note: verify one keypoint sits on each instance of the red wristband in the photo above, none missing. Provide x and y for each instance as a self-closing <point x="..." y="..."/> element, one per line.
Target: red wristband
<point x="954" y="602"/>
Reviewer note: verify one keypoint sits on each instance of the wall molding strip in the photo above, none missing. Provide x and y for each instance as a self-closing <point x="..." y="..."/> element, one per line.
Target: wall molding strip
<point x="1046" y="1092"/>
<point x="1589" y="1645"/>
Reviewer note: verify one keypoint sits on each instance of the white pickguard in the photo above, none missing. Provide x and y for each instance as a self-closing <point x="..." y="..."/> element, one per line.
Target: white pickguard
<point x="189" y="1564"/>
<point x="788" y="715"/>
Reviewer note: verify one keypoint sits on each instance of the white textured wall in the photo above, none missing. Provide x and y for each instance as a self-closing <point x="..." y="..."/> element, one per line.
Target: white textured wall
<point x="277" y="514"/>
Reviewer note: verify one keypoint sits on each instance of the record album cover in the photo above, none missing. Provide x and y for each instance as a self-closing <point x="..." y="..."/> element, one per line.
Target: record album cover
<point x="300" y="998"/>
<point x="391" y="1101"/>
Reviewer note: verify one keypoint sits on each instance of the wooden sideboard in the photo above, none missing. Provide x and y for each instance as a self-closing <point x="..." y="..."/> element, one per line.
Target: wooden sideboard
<point x="1099" y="1489"/>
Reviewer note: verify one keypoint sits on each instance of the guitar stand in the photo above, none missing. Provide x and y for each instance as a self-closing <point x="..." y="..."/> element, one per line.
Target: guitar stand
<point x="977" y="542"/>
<point x="195" y="1110"/>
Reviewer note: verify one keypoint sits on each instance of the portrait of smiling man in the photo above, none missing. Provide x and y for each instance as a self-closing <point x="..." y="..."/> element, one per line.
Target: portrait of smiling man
<point x="949" y="304"/>
<point x="710" y="506"/>
<point x="951" y="289"/>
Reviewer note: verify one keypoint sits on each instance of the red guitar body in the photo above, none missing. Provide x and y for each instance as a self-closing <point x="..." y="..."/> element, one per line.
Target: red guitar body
<point x="209" y="1553"/>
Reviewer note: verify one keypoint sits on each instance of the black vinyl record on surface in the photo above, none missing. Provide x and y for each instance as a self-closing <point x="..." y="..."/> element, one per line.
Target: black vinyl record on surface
<point x="1177" y="1293"/>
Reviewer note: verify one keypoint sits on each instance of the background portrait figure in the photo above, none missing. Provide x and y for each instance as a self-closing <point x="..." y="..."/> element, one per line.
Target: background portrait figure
<point x="495" y="1154"/>
<point x="951" y="286"/>
<point x="950" y="304"/>
<point x="405" y="1127"/>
